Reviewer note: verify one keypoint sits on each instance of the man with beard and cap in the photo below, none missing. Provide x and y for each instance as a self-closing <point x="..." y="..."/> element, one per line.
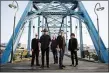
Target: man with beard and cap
<point x="45" y="44"/>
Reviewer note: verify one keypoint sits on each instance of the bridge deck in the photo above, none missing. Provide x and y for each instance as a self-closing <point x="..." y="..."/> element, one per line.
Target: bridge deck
<point x="84" y="66"/>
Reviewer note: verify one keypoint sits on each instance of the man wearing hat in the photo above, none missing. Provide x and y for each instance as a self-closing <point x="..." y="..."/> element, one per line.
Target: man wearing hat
<point x="45" y="43"/>
<point x="35" y="50"/>
<point x="72" y="47"/>
<point x="61" y="47"/>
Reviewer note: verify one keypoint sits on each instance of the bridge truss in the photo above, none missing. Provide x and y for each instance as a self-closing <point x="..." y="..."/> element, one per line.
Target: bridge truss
<point x="55" y="14"/>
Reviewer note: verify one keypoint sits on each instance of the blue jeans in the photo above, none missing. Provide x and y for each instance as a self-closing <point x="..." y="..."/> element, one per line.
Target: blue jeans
<point x="61" y="55"/>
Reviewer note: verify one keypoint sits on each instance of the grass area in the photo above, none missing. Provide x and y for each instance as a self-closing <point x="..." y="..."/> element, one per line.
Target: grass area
<point x="20" y="60"/>
<point x="21" y="55"/>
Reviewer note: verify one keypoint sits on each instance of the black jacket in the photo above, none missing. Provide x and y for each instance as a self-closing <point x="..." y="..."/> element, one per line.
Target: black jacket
<point x="61" y="42"/>
<point x="34" y="44"/>
<point x="45" y="41"/>
<point x="53" y="44"/>
<point x="72" y="44"/>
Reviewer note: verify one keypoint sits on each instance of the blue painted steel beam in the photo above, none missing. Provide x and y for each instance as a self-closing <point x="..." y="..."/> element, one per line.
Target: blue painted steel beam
<point x="94" y="35"/>
<point x="39" y="27"/>
<point x="38" y="11"/>
<point x="29" y="37"/>
<point x="54" y="13"/>
<point x="81" y="38"/>
<point x="56" y="26"/>
<point x="61" y="24"/>
<point x="62" y="1"/>
<point x="8" y="49"/>
<point x="66" y="37"/>
<point x="46" y="25"/>
<point x="70" y="24"/>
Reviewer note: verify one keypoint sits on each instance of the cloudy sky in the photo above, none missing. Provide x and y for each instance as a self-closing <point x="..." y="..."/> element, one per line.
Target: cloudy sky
<point x="8" y="13"/>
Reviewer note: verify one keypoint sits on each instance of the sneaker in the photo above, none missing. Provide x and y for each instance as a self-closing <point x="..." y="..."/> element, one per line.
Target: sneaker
<point x="48" y="66"/>
<point x="60" y="67"/>
<point x="75" y="65"/>
<point x="63" y="65"/>
<point x="71" y="65"/>
<point x="42" y="67"/>
<point x="32" y="65"/>
<point x="38" y="65"/>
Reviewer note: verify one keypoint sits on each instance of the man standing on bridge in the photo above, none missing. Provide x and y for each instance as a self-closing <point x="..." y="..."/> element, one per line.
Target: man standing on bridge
<point x="45" y="44"/>
<point x="72" y="47"/>
<point x="61" y="47"/>
<point x="35" y="50"/>
<point x="54" y="50"/>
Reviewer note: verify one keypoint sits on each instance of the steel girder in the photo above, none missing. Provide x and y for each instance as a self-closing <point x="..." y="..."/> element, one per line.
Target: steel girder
<point x="20" y="25"/>
<point x="82" y="14"/>
<point x="24" y="18"/>
<point x="64" y="11"/>
<point x="38" y="26"/>
<point x="81" y="38"/>
<point x="94" y="35"/>
<point x="62" y="1"/>
<point x="37" y="12"/>
<point x="55" y="13"/>
<point x="29" y="36"/>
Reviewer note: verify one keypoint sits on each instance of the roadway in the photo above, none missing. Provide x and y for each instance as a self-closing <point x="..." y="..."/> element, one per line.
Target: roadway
<point x="84" y="66"/>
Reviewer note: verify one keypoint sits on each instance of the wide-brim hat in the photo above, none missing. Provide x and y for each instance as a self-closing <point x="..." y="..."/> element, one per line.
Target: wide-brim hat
<point x="45" y="30"/>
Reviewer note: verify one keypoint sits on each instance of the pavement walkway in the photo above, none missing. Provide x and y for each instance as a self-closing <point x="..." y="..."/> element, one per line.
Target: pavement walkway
<point x="84" y="66"/>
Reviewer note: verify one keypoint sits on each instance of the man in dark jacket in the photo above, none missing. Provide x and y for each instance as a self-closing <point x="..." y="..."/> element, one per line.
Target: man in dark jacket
<point x="54" y="50"/>
<point x="45" y="44"/>
<point x="61" y="46"/>
<point x="72" y="47"/>
<point x="35" y="51"/>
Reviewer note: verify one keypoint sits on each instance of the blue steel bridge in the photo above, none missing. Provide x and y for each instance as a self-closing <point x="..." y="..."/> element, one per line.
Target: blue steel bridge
<point x="55" y="14"/>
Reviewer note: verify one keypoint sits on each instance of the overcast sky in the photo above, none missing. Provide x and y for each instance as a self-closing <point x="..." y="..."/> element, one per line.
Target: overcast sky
<point x="8" y="13"/>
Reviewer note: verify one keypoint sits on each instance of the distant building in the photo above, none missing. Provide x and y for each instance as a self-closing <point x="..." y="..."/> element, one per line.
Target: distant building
<point x="90" y="48"/>
<point x="3" y="44"/>
<point x="24" y="45"/>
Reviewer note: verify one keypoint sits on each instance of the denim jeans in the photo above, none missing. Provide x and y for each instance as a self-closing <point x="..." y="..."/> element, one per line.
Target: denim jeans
<point x="61" y="55"/>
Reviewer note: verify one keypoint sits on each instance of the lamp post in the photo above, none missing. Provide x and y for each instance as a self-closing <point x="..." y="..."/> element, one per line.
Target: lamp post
<point x="13" y="6"/>
<point x="98" y="9"/>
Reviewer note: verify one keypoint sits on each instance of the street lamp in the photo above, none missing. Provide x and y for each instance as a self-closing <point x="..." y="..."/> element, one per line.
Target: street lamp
<point x="98" y="9"/>
<point x="13" y="6"/>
